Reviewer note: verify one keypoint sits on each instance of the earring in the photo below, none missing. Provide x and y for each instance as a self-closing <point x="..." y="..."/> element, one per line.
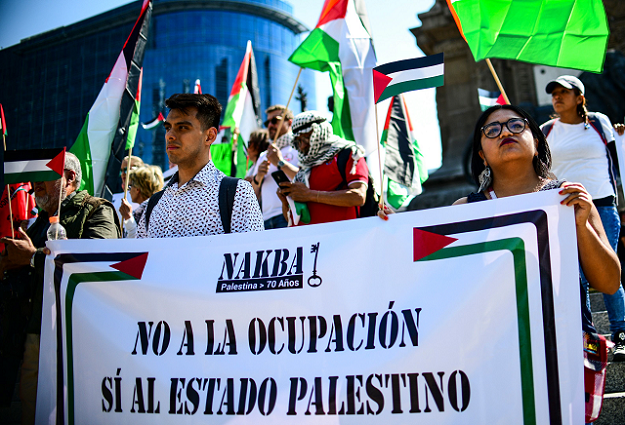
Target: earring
<point x="485" y="178"/>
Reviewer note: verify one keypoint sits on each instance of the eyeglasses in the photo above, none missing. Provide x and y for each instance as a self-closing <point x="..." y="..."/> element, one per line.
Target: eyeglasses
<point x="274" y="121"/>
<point x="514" y="125"/>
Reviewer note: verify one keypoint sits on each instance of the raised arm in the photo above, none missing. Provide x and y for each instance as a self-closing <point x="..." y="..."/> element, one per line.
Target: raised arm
<point x="597" y="258"/>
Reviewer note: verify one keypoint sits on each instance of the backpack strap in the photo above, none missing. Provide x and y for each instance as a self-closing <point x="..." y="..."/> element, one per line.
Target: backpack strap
<point x="155" y="198"/>
<point x="596" y="124"/>
<point x="227" y="190"/>
<point x="341" y="161"/>
<point x="547" y="127"/>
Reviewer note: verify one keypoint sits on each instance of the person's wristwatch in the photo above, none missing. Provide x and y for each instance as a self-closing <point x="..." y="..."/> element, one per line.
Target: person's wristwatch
<point x="280" y="164"/>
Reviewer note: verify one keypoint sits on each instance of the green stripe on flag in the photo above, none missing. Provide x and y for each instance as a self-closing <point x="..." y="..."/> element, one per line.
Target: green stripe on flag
<point x="36" y="176"/>
<point x="134" y="126"/>
<point x="321" y="52"/>
<point x="406" y="86"/>
<point x="82" y="150"/>
<point x="516" y="247"/>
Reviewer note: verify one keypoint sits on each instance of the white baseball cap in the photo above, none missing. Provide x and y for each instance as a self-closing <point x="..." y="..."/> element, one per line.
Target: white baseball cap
<point x="566" y="81"/>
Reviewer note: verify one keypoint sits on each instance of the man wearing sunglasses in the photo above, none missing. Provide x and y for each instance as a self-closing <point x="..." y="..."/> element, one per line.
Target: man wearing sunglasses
<point x="280" y="155"/>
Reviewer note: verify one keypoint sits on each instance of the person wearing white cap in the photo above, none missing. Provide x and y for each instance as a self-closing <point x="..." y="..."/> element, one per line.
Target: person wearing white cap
<point x="583" y="150"/>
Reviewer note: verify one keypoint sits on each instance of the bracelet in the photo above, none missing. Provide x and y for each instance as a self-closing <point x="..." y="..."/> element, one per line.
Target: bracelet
<point x="255" y="181"/>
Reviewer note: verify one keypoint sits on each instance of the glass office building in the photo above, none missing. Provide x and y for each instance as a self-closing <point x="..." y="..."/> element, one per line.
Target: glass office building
<point x="50" y="81"/>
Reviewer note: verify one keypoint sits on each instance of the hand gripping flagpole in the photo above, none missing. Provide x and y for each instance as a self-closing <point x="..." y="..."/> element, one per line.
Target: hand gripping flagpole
<point x="492" y="71"/>
<point x="126" y="182"/>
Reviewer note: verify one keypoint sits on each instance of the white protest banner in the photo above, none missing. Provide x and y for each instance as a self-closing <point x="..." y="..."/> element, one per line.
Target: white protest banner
<point x="465" y="315"/>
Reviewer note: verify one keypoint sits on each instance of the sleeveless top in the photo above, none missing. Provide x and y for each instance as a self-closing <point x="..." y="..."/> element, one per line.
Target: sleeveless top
<point x="586" y="315"/>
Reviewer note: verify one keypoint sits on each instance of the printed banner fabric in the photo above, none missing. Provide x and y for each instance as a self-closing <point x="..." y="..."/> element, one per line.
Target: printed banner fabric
<point x="453" y="315"/>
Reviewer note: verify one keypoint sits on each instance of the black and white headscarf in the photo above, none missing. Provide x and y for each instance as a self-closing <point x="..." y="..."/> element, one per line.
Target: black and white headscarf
<point x="324" y="145"/>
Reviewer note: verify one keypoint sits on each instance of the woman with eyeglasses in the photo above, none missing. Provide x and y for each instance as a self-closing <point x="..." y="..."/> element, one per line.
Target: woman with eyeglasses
<point x="583" y="150"/>
<point x="511" y="157"/>
<point x="144" y="182"/>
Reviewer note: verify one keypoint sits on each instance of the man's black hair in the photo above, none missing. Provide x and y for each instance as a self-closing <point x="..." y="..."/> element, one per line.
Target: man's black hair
<point x="208" y="107"/>
<point x="541" y="163"/>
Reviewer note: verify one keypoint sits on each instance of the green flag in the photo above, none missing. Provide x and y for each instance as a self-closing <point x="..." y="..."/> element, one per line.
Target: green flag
<point x="561" y="33"/>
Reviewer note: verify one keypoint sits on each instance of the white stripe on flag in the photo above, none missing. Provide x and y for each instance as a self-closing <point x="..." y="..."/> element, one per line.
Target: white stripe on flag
<point x="417" y="74"/>
<point x="490" y="101"/>
<point x="32" y="166"/>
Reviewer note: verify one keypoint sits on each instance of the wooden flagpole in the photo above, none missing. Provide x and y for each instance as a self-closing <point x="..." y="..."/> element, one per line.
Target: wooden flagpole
<point x="287" y="106"/>
<point x="377" y="134"/>
<point x="492" y="71"/>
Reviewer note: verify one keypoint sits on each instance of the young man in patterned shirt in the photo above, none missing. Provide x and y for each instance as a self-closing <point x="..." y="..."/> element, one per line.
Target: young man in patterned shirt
<point x="189" y="205"/>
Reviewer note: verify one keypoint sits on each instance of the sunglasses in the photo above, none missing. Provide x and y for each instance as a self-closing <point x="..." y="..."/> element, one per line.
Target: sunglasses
<point x="274" y="121"/>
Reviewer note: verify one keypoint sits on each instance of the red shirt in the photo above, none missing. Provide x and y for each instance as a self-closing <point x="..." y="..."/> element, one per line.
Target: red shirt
<point x="326" y="177"/>
<point x="22" y="205"/>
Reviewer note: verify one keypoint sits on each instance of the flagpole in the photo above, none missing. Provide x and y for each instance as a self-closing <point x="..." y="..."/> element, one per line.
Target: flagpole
<point x="377" y="134"/>
<point x="4" y="142"/>
<point x="58" y="214"/>
<point x="287" y="106"/>
<point x="492" y="71"/>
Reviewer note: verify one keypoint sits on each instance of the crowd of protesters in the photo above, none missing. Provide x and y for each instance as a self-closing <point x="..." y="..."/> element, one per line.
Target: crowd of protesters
<point x="301" y="173"/>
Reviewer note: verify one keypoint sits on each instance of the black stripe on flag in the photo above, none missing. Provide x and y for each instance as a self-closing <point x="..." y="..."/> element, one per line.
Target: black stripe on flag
<point x="31" y="154"/>
<point x="389" y="68"/>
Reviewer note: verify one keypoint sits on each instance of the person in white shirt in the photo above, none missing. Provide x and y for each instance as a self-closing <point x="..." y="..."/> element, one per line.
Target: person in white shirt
<point x="189" y="204"/>
<point x="280" y="155"/>
<point x="580" y="143"/>
<point x="143" y="182"/>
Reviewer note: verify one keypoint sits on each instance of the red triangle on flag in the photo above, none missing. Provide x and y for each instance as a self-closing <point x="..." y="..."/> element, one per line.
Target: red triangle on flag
<point x="380" y="81"/>
<point x="427" y="243"/>
<point x="500" y="100"/>
<point x="133" y="267"/>
<point x="57" y="164"/>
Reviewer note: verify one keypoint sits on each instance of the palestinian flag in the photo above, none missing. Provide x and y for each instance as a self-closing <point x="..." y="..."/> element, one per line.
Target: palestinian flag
<point x="404" y="166"/>
<point x="33" y="165"/>
<point x="341" y="44"/>
<point x="242" y="116"/>
<point x="3" y="122"/>
<point x="407" y="75"/>
<point x="101" y="144"/>
<point x="198" y="88"/>
<point x="563" y="33"/>
<point x="154" y="123"/>
<point x="490" y="98"/>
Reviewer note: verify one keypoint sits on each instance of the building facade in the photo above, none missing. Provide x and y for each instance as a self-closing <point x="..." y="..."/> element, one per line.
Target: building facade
<point x="51" y="80"/>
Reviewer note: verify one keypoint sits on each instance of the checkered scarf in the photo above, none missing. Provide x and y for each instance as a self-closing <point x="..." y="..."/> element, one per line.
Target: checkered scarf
<point x="284" y="140"/>
<point x="324" y="145"/>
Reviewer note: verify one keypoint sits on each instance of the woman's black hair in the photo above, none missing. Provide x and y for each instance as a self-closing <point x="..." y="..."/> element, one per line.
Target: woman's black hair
<point x="542" y="162"/>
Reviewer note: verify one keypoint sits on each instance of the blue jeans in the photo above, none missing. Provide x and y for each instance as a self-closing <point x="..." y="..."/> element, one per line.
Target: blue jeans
<point x="276" y="222"/>
<point x="615" y="304"/>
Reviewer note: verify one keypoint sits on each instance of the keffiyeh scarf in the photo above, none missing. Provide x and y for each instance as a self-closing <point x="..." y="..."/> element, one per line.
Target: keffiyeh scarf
<point x="324" y="145"/>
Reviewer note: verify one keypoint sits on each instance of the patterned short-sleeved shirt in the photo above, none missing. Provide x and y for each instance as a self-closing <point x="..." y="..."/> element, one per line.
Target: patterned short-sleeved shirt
<point x="193" y="208"/>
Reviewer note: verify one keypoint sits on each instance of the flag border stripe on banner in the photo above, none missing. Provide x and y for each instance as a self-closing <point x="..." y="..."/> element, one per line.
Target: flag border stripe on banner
<point x="539" y="219"/>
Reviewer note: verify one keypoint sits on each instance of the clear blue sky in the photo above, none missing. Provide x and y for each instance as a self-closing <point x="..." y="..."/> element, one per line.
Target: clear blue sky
<point x="390" y="23"/>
